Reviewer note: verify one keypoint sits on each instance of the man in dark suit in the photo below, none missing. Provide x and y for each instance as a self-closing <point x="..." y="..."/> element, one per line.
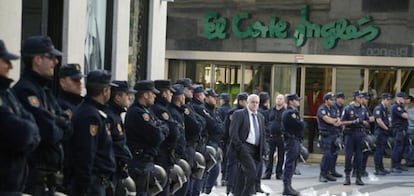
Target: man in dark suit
<point x="247" y="140"/>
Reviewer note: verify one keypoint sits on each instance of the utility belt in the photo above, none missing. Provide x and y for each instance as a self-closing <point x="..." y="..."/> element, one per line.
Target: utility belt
<point x="353" y="130"/>
<point x="327" y="132"/>
<point x="103" y="179"/>
<point x="140" y="154"/>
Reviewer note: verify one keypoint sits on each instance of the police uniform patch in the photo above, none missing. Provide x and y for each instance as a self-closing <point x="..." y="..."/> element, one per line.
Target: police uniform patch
<point x="68" y="112"/>
<point x="186" y="111"/>
<point x="165" y="116"/>
<point x="294" y="115"/>
<point x="377" y="112"/>
<point x="119" y="127"/>
<point x="323" y="112"/>
<point x="34" y="101"/>
<point x="93" y="129"/>
<point x="399" y="108"/>
<point x="146" y="116"/>
<point x="230" y="117"/>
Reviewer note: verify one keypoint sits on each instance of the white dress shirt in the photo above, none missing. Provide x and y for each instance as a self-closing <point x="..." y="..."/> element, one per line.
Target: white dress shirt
<point x="251" y="138"/>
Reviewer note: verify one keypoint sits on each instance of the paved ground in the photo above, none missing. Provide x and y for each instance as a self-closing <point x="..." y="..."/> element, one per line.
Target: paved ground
<point x="390" y="185"/>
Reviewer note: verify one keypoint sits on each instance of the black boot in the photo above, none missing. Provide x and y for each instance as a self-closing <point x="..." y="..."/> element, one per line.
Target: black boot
<point x="347" y="180"/>
<point x="358" y="180"/>
<point x="334" y="173"/>
<point x="288" y="190"/>
<point x="379" y="172"/>
<point x="329" y="177"/>
<point x="322" y="177"/>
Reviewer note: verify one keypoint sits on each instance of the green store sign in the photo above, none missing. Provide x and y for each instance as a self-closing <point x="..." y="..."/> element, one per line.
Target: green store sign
<point x="215" y="27"/>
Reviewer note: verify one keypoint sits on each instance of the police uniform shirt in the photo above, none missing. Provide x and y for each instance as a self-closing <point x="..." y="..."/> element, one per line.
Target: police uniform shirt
<point x="116" y="124"/>
<point x="352" y="112"/>
<point x="380" y="111"/>
<point x="223" y="110"/>
<point x="68" y="102"/>
<point x="216" y="133"/>
<point x="292" y="124"/>
<point x="143" y="130"/>
<point x="397" y="121"/>
<point x="19" y="135"/>
<point x="33" y="92"/>
<point x="177" y="114"/>
<point x="336" y="112"/>
<point x="275" y="121"/>
<point x="324" y="110"/>
<point x="91" y="144"/>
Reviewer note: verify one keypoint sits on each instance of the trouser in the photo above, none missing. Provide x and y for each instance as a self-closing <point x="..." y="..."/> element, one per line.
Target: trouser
<point x="99" y="186"/>
<point x="232" y="168"/>
<point x="140" y="172"/>
<point x="190" y="152"/>
<point x="327" y="144"/>
<point x="380" y="149"/>
<point x="40" y="182"/>
<point x="410" y="145"/>
<point x="353" y="149"/>
<point x="213" y="174"/>
<point x="313" y="131"/>
<point x="292" y="149"/>
<point x="276" y="142"/>
<point x="249" y="160"/>
<point x="398" y="149"/>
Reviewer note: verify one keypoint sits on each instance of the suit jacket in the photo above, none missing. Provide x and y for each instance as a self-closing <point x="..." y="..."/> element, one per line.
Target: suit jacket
<point x="240" y="128"/>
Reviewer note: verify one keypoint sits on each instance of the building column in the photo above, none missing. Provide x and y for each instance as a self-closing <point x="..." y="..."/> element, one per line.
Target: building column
<point x="74" y="30"/>
<point x="120" y="43"/>
<point x="11" y="31"/>
<point x="157" y="30"/>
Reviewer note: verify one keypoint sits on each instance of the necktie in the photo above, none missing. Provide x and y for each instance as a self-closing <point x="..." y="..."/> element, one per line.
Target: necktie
<point x="256" y="129"/>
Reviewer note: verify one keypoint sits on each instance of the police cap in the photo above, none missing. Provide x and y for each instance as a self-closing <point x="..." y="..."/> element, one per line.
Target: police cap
<point x="225" y="96"/>
<point x="198" y="89"/>
<point x="357" y="93"/>
<point x="264" y="96"/>
<point x="210" y="92"/>
<point x="35" y="45"/>
<point x="122" y="86"/>
<point x="242" y="96"/>
<point x="99" y="77"/>
<point x="385" y="96"/>
<point x="402" y="95"/>
<point x="364" y="95"/>
<point x="163" y="84"/>
<point x="178" y="89"/>
<point x="328" y="96"/>
<point x="291" y="97"/>
<point x="4" y="54"/>
<point x="340" y="95"/>
<point x="186" y="82"/>
<point x="146" y="85"/>
<point x="71" y="70"/>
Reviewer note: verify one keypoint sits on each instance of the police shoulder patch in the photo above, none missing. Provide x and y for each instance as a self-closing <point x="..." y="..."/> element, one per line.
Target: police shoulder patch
<point x="34" y="101"/>
<point x="93" y="129"/>
<point x="323" y="112"/>
<point x="231" y="115"/>
<point x="293" y="115"/>
<point x="146" y="116"/>
<point x="68" y="112"/>
<point x="186" y="111"/>
<point x="119" y="127"/>
<point x="165" y="116"/>
<point x="378" y="112"/>
<point x="399" y="108"/>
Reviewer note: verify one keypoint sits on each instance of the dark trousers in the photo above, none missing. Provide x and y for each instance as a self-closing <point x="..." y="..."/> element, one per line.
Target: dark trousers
<point x="248" y="158"/>
<point x="232" y="168"/>
<point x="380" y="150"/>
<point x="140" y="172"/>
<point x="40" y="183"/>
<point x="292" y="147"/>
<point x="327" y="143"/>
<point x="410" y="155"/>
<point x="313" y="131"/>
<point x="353" y="149"/>
<point x="398" y="149"/>
<point x="276" y="142"/>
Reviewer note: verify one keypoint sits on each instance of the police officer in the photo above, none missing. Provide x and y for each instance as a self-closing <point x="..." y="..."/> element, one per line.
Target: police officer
<point x="230" y="157"/>
<point x="166" y="157"/>
<point x="365" y="154"/>
<point x="337" y="108"/>
<point x="382" y="132"/>
<point x="264" y="105"/>
<point x="224" y="106"/>
<point x="116" y="110"/>
<point x="274" y="138"/>
<point x="327" y="123"/>
<point x="293" y="136"/>
<point x="399" y="125"/>
<point x="215" y="136"/>
<point x="355" y="118"/>
<point x="145" y="133"/>
<point x="70" y="82"/>
<point x="92" y="156"/>
<point x="19" y="134"/>
<point x="33" y="91"/>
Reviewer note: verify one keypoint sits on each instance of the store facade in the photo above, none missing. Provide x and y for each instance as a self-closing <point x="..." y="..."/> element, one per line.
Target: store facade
<point x="285" y="46"/>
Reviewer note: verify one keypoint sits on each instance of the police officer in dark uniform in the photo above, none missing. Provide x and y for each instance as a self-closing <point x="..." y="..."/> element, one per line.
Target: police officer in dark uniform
<point x="69" y="97"/>
<point x="166" y="157"/>
<point x="337" y="108"/>
<point x="116" y="110"/>
<point x="19" y="134"/>
<point x="224" y="106"/>
<point x="92" y="158"/>
<point x="264" y="105"/>
<point x="355" y="118"/>
<point x="70" y="82"/>
<point x="382" y="132"/>
<point x="215" y="136"/>
<point x="145" y="133"/>
<point x="365" y="154"/>
<point x="327" y="123"/>
<point x="274" y="138"/>
<point x="399" y="121"/>
<point x="293" y="136"/>
<point x="230" y="158"/>
<point x="33" y="91"/>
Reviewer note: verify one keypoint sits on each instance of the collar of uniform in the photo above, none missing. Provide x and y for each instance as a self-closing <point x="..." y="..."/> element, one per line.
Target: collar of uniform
<point x="5" y="83"/>
<point x="71" y="97"/>
<point x="115" y="107"/>
<point x="161" y="100"/>
<point x="95" y="103"/>
<point x="209" y="106"/>
<point x="41" y="80"/>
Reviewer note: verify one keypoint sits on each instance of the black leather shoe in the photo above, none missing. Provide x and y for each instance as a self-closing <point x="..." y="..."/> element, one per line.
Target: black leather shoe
<point x="336" y="174"/>
<point x="395" y="170"/>
<point x="380" y="173"/>
<point x="288" y="190"/>
<point x="347" y="180"/>
<point x="278" y="176"/>
<point x="358" y="181"/>
<point x="322" y="178"/>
